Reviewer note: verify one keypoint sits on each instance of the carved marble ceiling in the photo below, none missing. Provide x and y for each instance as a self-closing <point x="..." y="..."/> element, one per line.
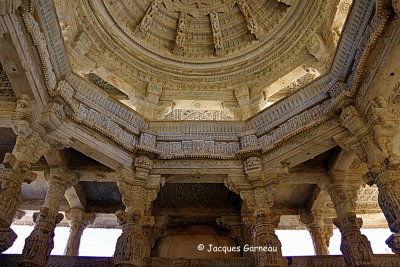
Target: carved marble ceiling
<point x="243" y="54"/>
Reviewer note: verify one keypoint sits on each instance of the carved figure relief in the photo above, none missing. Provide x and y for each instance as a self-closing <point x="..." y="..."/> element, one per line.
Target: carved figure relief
<point x="148" y="18"/>
<point x="216" y="31"/>
<point x="181" y="34"/>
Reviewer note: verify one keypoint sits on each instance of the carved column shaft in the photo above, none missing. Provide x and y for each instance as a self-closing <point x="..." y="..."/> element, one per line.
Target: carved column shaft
<point x="264" y="232"/>
<point x="138" y="191"/>
<point x="10" y="195"/>
<point x="388" y="183"/>
<point x="28" y="149"/>
<point x="260" y="200"/>
<point x="320" y="236"/>
<point x="319" y="232"/>
<point x="376" y="146"/>
<point x="78" y="221"/>
<point x="355" y="246"/>
<point x="74" y="240"/>
<point x="130" y="248"/>
<point x="40" y="242"/>
<point x="10" y="199"/>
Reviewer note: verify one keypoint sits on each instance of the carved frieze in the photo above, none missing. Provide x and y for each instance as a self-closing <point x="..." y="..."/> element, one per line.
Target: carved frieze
<point x="198" y="148"/>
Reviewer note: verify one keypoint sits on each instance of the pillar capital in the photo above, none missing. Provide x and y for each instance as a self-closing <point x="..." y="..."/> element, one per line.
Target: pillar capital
<point x="29" y="146"/>
<point x="137" y="193"/>
<point x="79" y="216"/>
<point x="58" y="181"/>
<point x="258" y="193"/>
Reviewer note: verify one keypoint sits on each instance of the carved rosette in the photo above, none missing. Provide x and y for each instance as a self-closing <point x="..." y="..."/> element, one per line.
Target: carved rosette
<point x="355" y="246"/>
<point x="39" y="243"/>
<point x="130" y="248"/>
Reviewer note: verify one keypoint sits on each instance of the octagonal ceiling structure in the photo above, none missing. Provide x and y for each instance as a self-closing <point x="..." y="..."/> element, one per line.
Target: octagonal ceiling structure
<point x="229" y="57"/>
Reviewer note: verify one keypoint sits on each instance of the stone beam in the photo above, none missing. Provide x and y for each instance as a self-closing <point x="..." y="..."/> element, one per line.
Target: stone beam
<point x="304" y="176"/>
<point x="56" y="158"/>
<point x="342" y="161"/>
<point x="76" y="198"/>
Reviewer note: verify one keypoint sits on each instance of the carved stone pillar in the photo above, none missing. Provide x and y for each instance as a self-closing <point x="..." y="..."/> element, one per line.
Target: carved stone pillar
<point x="39" y="243"/>
<point x="320" y="236"/>
<point x="258" y="193"/>
<point x="377" y="137"/>
<point x="78" y="221"/>
<point x="130" y="248"/>
<point x="319" y="232"/>
<point x="153" y="228"/>
<point x="355" y="246"/>
<point x="28" y="149"/>
<point x="388" y="183"/>
<point x="10" y="199"/>
<point x="138" y="191"/>
<point x="264" y="230"/>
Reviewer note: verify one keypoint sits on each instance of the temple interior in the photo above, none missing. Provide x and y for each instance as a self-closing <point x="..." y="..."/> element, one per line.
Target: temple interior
<point x="199" y="128"/>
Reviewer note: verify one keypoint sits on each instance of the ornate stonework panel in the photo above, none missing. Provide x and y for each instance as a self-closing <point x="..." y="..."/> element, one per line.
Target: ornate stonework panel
<point x="6" y="91"/>
<point x="197" y="115"/>
<point x="194" y="197"/>
<point x="201" y="49"/>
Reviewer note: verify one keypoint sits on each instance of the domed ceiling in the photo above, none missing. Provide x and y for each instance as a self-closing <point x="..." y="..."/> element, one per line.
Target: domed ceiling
<point x="231" y="55"/>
